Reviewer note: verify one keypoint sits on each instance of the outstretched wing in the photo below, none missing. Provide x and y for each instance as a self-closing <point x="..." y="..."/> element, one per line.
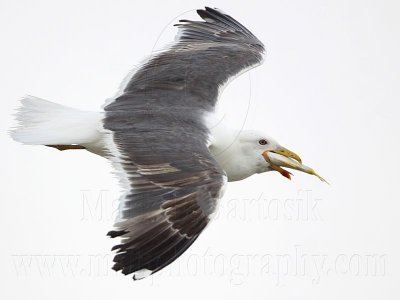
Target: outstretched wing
<point x="173" y="188"/>
<point x="190" y="74"/>
<point x="158" y="141"/>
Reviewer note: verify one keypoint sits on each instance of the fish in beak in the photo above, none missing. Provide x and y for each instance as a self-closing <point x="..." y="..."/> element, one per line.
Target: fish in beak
<point x="283" y="157"/>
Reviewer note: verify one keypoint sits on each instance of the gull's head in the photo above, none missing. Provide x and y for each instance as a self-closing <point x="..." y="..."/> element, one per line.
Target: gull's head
<point x="252" y="152"/>
<point x="255" y="145"/>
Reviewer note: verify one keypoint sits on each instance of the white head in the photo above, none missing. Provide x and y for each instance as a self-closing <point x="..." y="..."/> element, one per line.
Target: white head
<point x="244" y="153"/>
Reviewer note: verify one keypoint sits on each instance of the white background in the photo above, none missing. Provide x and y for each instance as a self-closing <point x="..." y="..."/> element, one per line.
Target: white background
<point x="329" y="90"/>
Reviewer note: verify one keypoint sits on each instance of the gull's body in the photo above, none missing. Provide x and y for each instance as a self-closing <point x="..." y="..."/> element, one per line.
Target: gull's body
<point x="172" y="162"/>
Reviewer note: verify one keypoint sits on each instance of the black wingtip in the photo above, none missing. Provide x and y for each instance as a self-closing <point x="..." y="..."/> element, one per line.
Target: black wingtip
<point x="117" y="267"/>
<point x="212" y="14"/>
<point x="202" y="13"/>
<point x="115" y="233"/>
<point x="214" y="10"/>
<point x="116" y="247"/>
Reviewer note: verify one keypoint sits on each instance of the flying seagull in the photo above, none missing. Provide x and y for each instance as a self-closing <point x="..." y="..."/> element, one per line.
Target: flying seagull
<point x="171" y="163"/>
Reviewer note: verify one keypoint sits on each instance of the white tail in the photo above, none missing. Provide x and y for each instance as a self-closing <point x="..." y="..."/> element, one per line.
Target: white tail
<point x="42" y="122"/>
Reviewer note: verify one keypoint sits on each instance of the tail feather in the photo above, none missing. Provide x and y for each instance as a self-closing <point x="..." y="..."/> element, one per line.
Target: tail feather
<point x="41" y="122"/>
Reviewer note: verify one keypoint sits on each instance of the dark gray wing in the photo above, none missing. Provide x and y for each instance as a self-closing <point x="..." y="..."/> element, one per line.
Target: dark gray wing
<point x="173" y="184"/>
<point x="190" y="73"/>
<point x="158" y="141"/>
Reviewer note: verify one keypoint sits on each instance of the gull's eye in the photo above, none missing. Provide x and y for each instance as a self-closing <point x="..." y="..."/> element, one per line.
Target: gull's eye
<point x="263" y="142"/>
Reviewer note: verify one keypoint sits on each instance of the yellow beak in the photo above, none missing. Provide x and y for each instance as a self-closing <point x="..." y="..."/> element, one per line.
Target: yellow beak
<point x="287" y="153"/>
<point x="284" y="152"/>
<point x="283" y="157"/>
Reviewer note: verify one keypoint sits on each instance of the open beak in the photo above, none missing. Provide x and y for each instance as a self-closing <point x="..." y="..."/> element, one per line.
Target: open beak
<point x="283" y="157"/>
<point x="283" y="152"/>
